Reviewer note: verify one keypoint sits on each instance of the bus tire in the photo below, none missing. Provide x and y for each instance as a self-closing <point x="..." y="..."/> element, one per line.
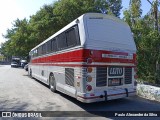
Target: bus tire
<point x="52" y="83"/>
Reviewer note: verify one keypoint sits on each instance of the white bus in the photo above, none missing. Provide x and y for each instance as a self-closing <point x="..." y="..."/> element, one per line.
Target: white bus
<point x="91" y="59"/>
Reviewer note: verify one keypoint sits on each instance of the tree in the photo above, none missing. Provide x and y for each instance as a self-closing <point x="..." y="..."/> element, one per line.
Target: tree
<point x="42" y="24"/>
<point x="71" y="9"/>
<point x="154" y="11"/>
<point x="147" y="41"/>
<point x="133" y="13"/>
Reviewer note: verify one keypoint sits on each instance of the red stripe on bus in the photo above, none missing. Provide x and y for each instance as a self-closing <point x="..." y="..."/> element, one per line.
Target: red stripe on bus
<point x="82" y="56"/>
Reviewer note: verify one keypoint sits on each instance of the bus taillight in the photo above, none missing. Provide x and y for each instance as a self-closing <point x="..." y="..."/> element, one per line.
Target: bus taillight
<point x="89" y="69"/>
<point x="89" y="78"/>
<point x="88" y="88"/>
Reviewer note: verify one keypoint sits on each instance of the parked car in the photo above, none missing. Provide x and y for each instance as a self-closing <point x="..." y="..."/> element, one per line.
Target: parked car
<point x="16" y="60"/>
<point x="14" y="64"/>
<point x="26" y="67"/>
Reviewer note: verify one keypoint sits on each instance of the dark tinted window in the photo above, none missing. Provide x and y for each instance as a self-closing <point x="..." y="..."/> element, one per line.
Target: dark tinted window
<point x="62" y="41"/>
<point x="67" y="39"/>
<point x="72" y="37"/>
<point x="53" y="45"/>
<point x="43" y="48"/>
<point x="49" y="46"/>
<point x="40" y="50"/>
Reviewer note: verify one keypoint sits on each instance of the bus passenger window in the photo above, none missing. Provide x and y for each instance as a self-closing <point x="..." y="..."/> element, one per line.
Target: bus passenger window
<point x="49" y="46"/>
<point x="71" y="38"/>
<point x="53" y="45"/>
<point x="43" y="48"/>
<point x="62" y="41"/>
<point x="40" y="50"/>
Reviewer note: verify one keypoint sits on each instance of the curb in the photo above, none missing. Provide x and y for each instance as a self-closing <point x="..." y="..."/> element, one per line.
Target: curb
<point x="148" y="92"/>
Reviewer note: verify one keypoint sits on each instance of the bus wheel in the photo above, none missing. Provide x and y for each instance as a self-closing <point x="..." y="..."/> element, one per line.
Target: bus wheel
<point x="52" y="83"/>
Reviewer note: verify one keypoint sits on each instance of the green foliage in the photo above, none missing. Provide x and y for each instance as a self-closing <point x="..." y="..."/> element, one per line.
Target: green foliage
<point x="68" y="10"/>
<point x="135" y="6"/>
<point x="148" y="55"/>
<point x="147" y="41"/>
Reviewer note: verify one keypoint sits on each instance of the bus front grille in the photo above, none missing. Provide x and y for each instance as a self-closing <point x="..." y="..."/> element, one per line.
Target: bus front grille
<point x="128" y="75"/>
<point x="101" y="76"/>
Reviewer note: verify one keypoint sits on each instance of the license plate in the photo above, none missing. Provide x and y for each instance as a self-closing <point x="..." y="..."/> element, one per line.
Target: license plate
<point x="114" y="81"/>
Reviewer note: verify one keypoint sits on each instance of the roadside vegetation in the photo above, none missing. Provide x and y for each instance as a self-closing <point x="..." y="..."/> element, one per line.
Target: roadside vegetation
<point x="147" y="38"/>
<point x="26" y="34"/>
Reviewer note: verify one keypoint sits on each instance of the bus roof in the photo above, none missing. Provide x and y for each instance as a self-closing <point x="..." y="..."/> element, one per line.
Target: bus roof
<point x="81" y="19"/>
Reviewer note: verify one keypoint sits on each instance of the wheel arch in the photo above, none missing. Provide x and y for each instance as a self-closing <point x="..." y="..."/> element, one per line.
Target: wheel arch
<point x="51" y="73"/>
<point x="52" y="82"/>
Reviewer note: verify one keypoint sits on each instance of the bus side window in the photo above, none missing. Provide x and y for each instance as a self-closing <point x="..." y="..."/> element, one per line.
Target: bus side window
<point x="43" y="48"/>
<point x="36" y="53"/>
<point x="72" y="36"/>
<point x="61" y="39"/>
<point x="49" y="46"/>
<point x="53" y="45"/>
<point x="77" y="35"/>
<point x="40" y="50"/>
<point x="33" y="53"/>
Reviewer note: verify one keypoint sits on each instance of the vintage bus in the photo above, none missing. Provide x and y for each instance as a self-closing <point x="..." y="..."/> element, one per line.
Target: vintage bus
<point x="91" y="59"/>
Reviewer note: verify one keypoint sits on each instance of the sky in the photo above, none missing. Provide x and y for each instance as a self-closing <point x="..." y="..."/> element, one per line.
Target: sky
<point x="10" y="10"/>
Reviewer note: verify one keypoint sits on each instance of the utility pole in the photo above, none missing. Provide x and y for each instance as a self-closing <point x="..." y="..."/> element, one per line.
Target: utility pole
<point x="155" y="11"/>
